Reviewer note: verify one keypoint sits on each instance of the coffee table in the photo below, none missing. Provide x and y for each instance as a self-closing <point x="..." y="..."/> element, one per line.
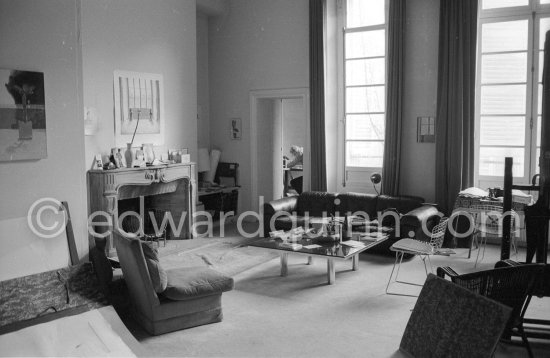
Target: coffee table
<point x="330" y="250"/>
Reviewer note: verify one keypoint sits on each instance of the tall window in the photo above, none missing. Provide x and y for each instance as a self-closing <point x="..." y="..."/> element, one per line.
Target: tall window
<point x="509" y="87"/>
<point x="364" y="84"/>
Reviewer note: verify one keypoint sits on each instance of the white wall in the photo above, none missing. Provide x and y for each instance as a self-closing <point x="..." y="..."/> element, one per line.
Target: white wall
<point x="420" y="98"/>
<point x="143" y="36"/>
<point x="255" y="44"/>
<point x="42" y="36"/>
<point x="203" y="92"/>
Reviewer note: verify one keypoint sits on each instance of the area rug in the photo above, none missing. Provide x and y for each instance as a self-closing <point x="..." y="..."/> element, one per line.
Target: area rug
<point x="225" y="257"/>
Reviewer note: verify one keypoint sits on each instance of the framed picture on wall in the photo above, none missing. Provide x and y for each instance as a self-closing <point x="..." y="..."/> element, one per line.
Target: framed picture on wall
<point x="236" y="129"/>
<point x="22" y="115"/>
<point x="139" y="108"/>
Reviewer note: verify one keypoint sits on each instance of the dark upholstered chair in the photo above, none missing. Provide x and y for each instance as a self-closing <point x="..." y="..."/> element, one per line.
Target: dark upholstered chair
<point x="192" y="296"/>
<point x="450" y="321"/>
<point x="507" y="285"/>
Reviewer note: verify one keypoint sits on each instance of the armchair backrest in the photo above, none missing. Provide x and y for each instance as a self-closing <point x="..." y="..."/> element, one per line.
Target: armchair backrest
<point x="136" y="274"/>
<point x="507" y="285"/>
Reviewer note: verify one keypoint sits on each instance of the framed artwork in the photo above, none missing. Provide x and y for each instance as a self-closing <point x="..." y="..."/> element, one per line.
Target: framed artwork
<point x="236" y="128"/>
<point x="139" y="108"/>
<point x="22" y="115"/>
<point x="425" y="130"/>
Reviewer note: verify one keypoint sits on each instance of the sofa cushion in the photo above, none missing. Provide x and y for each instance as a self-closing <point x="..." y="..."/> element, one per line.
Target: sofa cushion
<point x="357" y="203"/>
<point x="286" y="222"/>
<point x="316" y="203"/>
<point x="156" y="272"/>
<point x="193" y="282"/>
<point x="403" y="204"/>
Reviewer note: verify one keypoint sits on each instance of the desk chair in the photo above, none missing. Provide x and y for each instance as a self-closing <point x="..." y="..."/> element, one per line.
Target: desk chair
<point x="423" y="249"/>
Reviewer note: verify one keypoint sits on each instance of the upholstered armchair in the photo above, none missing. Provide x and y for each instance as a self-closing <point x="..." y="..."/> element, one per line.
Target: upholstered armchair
<point x="165" y="301"/>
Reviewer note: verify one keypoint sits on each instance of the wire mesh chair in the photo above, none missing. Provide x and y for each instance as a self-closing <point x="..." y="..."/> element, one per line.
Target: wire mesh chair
<point x="488" y="220"/>
<point x="507" y="285"/>
<point x="423" y="249"/>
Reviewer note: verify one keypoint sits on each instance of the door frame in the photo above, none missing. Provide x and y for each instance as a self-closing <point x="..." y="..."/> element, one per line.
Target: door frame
<point x="290" y="93"/>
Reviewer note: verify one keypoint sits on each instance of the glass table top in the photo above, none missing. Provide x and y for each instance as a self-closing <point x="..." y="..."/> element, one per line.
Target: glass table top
<point x="317" y="246"/>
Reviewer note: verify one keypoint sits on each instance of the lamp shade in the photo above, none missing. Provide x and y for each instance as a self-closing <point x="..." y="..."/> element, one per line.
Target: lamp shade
<point x="204" y="160"/>
<point x="376" y="178"/>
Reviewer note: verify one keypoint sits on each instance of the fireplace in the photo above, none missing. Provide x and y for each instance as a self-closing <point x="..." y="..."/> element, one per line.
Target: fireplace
<point x="170" y="189"/>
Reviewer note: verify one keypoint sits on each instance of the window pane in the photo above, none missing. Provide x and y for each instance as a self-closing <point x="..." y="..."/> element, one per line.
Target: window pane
<point x="504" y="36"/>
<point x="365" y="126"/>
<point x="365" y="99"/>
<point x="504" y="68"/>
<point x="366" y="44"/>
<point x="502" y="131"/>
<point x="503" y="99"/>
<point x="365" y="72"/>
<point x="545" y="1"/>
<point x="491" y="161"/>
<point x="365" y="13"/>
<point x="541" y="64"/>
<point x="544" y="27"/>
<point x="539" y="118"/>
<point x="364" y="154"/>
<point x="495" y="4"/>
<point x="539" y="100"/>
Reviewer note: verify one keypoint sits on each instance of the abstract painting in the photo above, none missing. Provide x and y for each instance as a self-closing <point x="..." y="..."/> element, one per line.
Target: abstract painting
<point x="139" y="108"/>
<point x="22" y="115"/>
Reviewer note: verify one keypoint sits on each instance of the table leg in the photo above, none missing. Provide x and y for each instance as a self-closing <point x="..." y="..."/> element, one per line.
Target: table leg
<point x="330" y="271"/>
<point x="284" y="264"/>
<point x="355" y="262"/>
<point x="310" y="260"/>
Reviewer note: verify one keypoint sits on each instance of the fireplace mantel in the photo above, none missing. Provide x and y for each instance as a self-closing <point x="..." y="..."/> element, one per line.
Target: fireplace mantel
<point x="107" y="187"/>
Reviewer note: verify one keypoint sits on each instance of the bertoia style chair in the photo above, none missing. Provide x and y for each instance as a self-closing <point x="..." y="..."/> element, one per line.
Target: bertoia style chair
<point x="423" y="249"/>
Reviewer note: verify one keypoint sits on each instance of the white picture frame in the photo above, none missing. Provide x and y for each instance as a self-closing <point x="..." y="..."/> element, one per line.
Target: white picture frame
<point x="139" y="101"/>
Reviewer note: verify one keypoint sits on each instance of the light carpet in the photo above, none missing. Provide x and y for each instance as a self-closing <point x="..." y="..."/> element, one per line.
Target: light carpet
<point x="267" y="315"/>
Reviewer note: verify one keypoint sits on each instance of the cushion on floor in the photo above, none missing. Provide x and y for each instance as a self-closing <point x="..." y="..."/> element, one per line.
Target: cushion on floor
<point x="193" y="282"/>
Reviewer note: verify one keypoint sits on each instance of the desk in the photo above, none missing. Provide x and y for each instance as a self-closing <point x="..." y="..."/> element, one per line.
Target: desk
<point x="220" y="199"/>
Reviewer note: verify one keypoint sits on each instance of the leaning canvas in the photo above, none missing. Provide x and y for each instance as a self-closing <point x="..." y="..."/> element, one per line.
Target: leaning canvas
<point x="22" y="115"/>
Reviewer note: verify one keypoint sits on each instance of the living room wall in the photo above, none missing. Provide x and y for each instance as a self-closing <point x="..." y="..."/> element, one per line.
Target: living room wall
<point x="142" y="36"/>
<point x="254" y="45"/>
<point x="43" y="36"/>
<point x="420" y="96"/>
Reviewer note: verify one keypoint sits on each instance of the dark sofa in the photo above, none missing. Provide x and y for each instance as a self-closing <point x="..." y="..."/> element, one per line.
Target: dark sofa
<point x="412" y="210"/>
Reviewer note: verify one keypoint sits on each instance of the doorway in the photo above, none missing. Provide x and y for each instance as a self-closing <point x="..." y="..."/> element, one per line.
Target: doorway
<point x="279" y="120"/>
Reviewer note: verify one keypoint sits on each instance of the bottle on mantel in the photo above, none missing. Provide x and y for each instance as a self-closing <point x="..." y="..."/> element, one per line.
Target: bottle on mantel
<point x="128" y="155"/>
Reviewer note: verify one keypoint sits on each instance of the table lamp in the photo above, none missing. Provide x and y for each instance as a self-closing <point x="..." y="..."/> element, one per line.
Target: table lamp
<point x="203" y="165"/>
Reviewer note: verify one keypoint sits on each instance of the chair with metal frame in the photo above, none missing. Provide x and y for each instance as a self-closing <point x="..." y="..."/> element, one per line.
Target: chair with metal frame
<point x="423" y="249"/>
<point x="510" y="286"/>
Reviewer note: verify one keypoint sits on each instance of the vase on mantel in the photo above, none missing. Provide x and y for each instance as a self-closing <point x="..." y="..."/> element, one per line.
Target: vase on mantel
<point x="129" y="155"/>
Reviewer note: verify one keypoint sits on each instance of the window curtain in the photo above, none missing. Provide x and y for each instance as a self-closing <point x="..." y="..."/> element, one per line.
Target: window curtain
<point x="455" y="121"/>
<point x="394" y="98"/>
<point x="317" y="26"/>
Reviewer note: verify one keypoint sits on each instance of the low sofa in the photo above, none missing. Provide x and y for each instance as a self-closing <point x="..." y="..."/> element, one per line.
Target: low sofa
<point x="412" y="210"/>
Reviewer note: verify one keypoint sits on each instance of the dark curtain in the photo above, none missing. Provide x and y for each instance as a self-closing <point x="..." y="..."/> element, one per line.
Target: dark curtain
<point x="394" y="98"/>
<point x="317" y="21"/>
<point x="455" y="119"/>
